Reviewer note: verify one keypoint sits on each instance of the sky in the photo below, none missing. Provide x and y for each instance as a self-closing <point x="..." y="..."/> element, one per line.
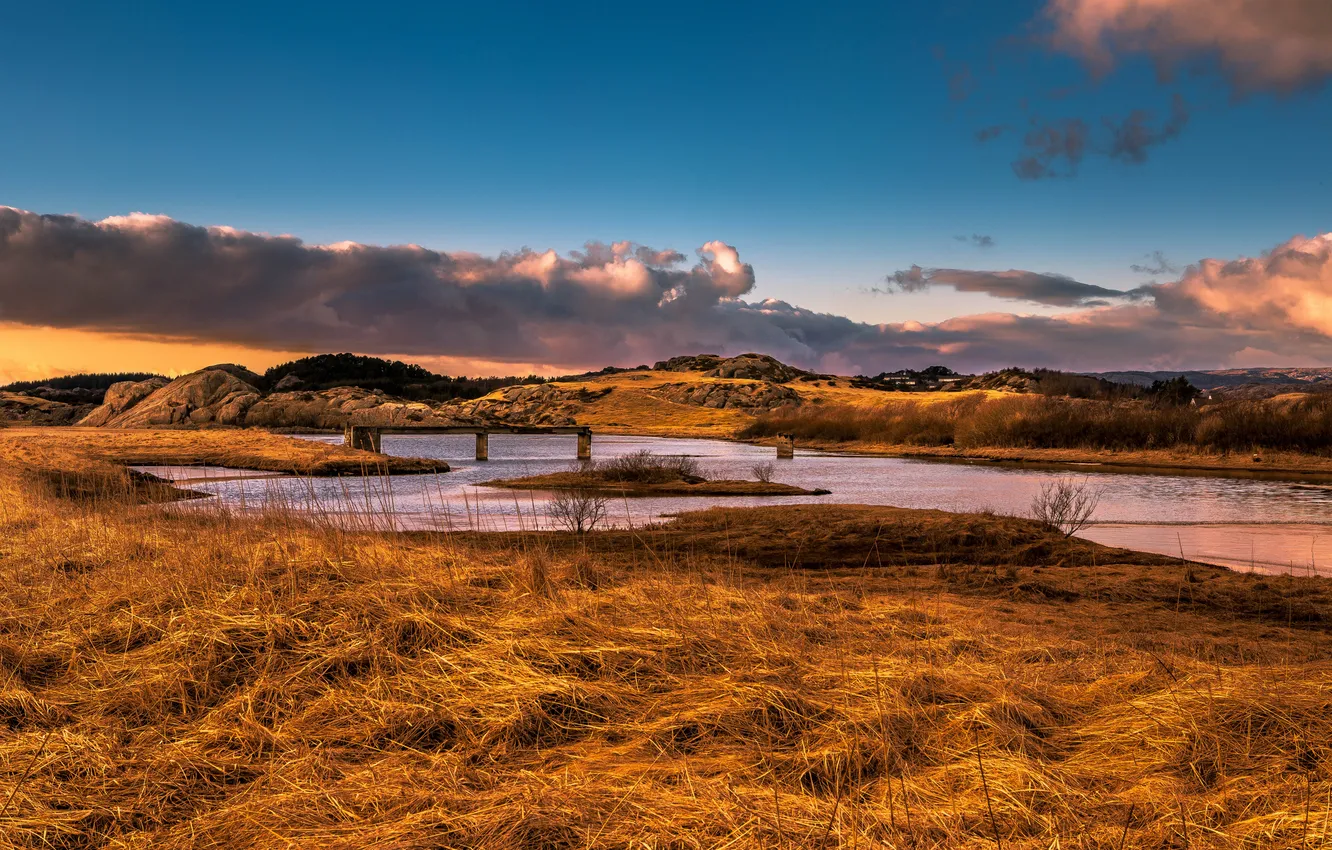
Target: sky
<point x="508" y="187"/>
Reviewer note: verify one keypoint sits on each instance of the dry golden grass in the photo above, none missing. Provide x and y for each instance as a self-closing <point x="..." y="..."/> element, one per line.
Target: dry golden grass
<point x="195" y="679"/>
<point x="71" y="450"/>
<point x="632" y="407"/>
<point x="1287" y="436"/>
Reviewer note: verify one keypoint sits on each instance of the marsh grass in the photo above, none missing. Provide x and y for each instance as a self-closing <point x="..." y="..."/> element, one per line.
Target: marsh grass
<point x="814" y="677"/>
<point x="1033" y="421"/>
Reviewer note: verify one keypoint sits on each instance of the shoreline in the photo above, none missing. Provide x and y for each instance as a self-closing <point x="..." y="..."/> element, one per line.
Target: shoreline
<point x="1277" y="466"/>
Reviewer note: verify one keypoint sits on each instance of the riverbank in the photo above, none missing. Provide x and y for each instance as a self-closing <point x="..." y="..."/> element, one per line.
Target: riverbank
<point x="814" y="675"/>
<point x="93" y="459"/>
<point x="1291" y="466"/>
<point x="1286" y="435"/>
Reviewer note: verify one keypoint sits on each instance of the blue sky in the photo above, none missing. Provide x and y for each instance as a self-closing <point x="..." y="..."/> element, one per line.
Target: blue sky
<point x="822" y="140"/>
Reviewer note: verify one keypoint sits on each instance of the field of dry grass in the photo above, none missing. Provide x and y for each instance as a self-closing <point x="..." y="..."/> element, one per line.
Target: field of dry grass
<point x="634" y="407"/>
<point x="1286" y="435"/>
<point x="814" y="676"/>
<point x="58" y="451"/>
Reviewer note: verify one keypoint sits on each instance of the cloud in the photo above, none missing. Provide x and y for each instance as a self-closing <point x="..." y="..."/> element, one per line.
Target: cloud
<point x="153" y="275"/>
<point x="977" y="239"/>
<point x="1131" y="138"/>
<point x="1289" y="288"/>
<point x="989" y="134"/>
<point x="1056" y="149"/>
<point x="1038" y="288"/>
<point x="1157" y="265"/>
<point x="1259" y="45"/>
<point x="1047" y="144"/>
<point x="158" y="279"/>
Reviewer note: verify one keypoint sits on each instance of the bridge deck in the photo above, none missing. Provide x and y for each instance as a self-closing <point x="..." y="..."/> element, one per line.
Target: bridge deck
<point x="367" y="437"/>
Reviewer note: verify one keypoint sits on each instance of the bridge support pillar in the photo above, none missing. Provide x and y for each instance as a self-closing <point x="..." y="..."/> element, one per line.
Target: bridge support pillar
<point x="585" y="445"/>
<point x="362" y="437"/>
<point x="785" y="446"/>
<point x="482" y="445"/>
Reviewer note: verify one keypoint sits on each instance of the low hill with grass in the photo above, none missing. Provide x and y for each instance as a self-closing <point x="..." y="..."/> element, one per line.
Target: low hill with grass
<point x="392" y="377"/>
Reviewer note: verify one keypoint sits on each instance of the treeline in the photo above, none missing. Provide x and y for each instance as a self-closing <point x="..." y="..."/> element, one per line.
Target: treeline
<point x="407" y="380"/>
<point x="85" y="388"/>
<point x="84" y="381"/>
<point x="1054" y="422"/>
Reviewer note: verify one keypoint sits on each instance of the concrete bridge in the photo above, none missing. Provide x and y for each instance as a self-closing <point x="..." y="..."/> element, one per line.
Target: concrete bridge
<point x="368" y="438"/>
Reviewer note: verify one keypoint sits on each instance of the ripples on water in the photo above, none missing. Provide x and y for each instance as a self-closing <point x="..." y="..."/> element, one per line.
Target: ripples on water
<point x="1270" y="526"/>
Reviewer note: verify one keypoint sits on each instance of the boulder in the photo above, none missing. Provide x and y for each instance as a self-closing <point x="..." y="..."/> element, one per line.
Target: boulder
<point x="339" y="406"/>
<point x="120" y="397"/>
<point x="534" y="404"/>
<point x="200" y="398"/>
<point x="288" y="383"/>
<point x="251" y="378"/>
<point x="21" y="409"/>
<point x="754" y="397"/>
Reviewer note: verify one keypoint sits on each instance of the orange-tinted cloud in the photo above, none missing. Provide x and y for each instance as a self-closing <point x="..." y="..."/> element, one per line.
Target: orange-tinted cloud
<point x="1277" y="45"/>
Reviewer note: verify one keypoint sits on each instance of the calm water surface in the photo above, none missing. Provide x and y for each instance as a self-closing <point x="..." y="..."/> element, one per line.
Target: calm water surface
<point x="1269" y="526"/>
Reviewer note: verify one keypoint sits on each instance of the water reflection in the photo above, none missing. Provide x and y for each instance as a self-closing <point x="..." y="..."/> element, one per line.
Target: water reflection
<point x="1269" y="525"/>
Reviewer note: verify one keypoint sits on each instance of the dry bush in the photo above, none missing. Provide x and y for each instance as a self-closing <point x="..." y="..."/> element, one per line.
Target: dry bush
<point x="646" y="467"/>
<point x="1066" y="505"/>
<point x="763" y="472"/>
<point x="577" y="510"/>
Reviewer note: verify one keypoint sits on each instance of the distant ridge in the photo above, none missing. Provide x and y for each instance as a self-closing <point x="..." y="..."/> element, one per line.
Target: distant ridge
<point x="1297" y="377"/>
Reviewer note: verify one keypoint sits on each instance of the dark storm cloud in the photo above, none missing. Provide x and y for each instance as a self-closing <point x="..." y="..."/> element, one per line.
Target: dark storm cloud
<point x="623" y="303"/>
<point x="1038" y="288"/>
<point x="153" y="275"/>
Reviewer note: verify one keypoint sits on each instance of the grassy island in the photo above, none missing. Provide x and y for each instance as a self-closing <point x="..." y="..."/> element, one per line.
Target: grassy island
<point x="646" y="474"/>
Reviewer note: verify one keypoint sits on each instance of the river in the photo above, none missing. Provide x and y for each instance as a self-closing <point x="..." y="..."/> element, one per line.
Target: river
<point x="1245" y="523"/>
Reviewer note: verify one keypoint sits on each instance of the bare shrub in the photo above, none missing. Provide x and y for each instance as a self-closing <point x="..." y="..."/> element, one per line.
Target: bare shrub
<point x="763" y="472"/>
<point x="1066" y="505"/>
<point x="645" y="467"/>
<point x="578" y="511"/>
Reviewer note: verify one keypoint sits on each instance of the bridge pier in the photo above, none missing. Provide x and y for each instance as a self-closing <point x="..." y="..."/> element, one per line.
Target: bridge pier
<point x="368" y="438"/>
<point x="362" y="437"/>
<point x="785" y="446"/>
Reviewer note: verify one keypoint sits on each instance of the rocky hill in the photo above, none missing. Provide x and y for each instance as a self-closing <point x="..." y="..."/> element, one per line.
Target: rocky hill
<point x="214" y="396"/>
<point x="229" y="395"/>
<point x="754" y="367"/>
<point x="20" y="409"/>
